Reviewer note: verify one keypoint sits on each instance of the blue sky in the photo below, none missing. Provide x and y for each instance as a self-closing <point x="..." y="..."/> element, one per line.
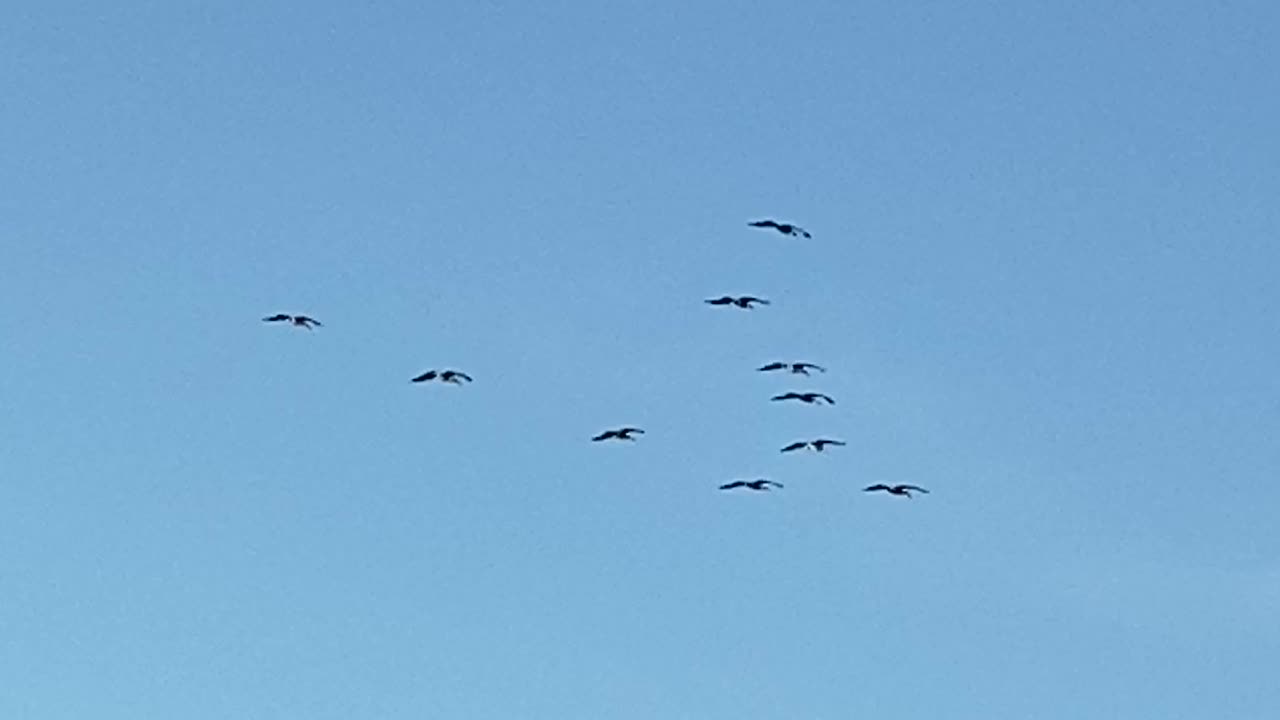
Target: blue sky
<point x="1042" y="276"/>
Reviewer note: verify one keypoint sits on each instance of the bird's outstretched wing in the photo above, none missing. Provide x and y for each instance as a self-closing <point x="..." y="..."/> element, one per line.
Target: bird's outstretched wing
<point x="912" y="487"/>
<point x="794" y="446"/>
<point x="802" y="366"/>
<point x="726" y="300"/>
<point x="771" y="366"/>
<point x="605" y="435"/>
<point x="428" y="375"/>
<point x="770" y="482"/>
<point x="746" y="300"/>
<point x="734" y="484"/>
<point x="277" y="318"/>
<point x="629" y="430"/>
<point x="787" y="396"/>
<point x="824" y="442"/>
<point x="303" y="319"/>
<point x="878" y="486"/>
<point x="820" y="396"/>
<point x="452" y="375"/>
<point x="763" y="224"/>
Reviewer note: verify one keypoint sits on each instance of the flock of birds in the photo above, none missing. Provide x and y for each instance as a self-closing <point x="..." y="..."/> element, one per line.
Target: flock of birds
<point x="746" y="302"/>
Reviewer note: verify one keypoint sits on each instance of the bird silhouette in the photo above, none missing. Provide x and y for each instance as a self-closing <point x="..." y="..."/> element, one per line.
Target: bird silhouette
<point x="297" y="320"/>
<point x="744" y="302"/>
<point x="619" y="434"/>
<point x="808" y="397"/>
<point x="758" y="485"/>
<point x="449" y="376"/>
<point x="784" y="228"/>
<point x="817" y="445"/>
<point x="800" y="368"/>
<point x="904" y="490"/>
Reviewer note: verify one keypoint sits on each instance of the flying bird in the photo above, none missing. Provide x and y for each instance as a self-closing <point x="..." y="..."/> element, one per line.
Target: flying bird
<point x="904" y="490"/>
<point x="800" y="368"/>
<point x="784" y="228"/>
<point x="817" y="445"/>
<point x="744" y="302"/>
<point x="619" y="434"/>
<point x="809" y="397"/>
<point x="449" y="376"/>
<point x="759" y="485"/>
<point x="297" y="320"/>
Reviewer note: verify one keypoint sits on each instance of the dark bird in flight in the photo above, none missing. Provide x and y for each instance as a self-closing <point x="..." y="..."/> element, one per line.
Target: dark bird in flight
<point x="743" y="302"/>
<point x="896" y="489"/>
<point x="761" y="484"/>
<point x="809" y="397"/>
<point x="449" y="376"/>
<point x="784" y="228"/>
<point x="800" y="368"/>
<point x="619" y="434"/>
<point x="298" y="320"/>
<point x="818" y="445"/>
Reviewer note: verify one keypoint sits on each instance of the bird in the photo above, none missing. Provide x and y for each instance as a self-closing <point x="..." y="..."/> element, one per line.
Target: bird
<point x="449" y="376"/>
<point x="784" y="228"/>
<point x="896" y="489"/>
<point x="817" y="445"/>
<point x="800" y="368"/>
<point x="809" y="397"/>
<point x="760" y="485"/>
<point x="743" y="302"/>
<point x="297" y="320"/>
<point x="619" y="434"/>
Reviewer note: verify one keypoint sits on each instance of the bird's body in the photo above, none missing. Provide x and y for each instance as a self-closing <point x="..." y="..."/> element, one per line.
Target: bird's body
<point x="449" y="376"/>
<point x="784" y="228"/>
<point x="816" y="445"/>
<point x="745" y="302"/>
<point x="760" y="485"/>
<point x="904" y="490"/>
<point x="810" y="398"/>
<point x="296" y="320"/>
<point x="799" y="368"/>
<point x="619" y="434"/>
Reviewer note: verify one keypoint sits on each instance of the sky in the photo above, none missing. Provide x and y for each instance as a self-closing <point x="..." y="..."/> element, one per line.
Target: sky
<point x="1042" y="277"/>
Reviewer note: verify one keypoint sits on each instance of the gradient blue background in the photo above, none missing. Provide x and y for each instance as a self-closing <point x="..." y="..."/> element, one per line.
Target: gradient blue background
<point x="1043" y="275"/>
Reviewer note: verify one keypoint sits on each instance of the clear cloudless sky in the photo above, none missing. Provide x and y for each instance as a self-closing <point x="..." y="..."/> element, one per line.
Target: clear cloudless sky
<point x="1043" y="275"/>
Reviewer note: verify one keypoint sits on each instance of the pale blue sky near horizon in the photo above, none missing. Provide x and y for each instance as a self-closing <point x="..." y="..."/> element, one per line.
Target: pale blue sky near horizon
<point x="1042" y="275"/>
